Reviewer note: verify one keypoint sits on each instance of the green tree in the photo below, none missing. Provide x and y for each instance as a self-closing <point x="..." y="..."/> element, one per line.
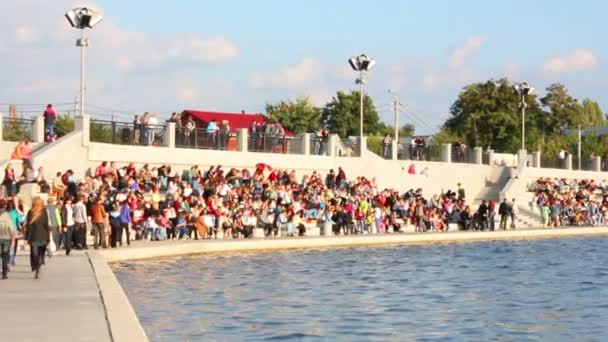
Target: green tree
<point x="64" y="125"/>
<point x="563" y="110"/>
<point x="407" y="130"/>
<point x="16" y="129"/>
<point x="342" y="115"/>
<point x="488" y="115"/>
<point x="299" y="115"/>
<point x="100" y="132"/>
<point x="593" y="112"/>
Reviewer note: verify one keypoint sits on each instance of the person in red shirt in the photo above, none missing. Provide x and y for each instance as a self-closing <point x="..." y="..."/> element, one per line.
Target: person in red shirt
<point x="49" y="122"/>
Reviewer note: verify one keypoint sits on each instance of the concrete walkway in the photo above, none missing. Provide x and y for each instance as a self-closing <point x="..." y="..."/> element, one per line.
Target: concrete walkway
<point x="63" y="305"/>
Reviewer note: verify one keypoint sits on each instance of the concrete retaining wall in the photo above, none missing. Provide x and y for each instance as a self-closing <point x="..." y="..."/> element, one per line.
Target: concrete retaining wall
<point x="122" y="320"/>
<point x="169" y="249"/>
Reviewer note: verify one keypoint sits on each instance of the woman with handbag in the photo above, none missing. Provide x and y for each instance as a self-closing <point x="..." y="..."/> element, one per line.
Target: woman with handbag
<point x="37" y="234"/>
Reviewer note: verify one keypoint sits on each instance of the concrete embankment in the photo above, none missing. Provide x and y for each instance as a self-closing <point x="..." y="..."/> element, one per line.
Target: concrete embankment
<point x="168" y="249"/>
<point x="122" y="321"/>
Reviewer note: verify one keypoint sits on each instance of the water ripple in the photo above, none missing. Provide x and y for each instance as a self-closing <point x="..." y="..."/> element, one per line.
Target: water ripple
<point x="488" y="291"/>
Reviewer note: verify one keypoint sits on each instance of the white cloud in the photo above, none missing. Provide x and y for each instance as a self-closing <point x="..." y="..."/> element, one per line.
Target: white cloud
<point x="25" y="34"/>
<point x="460" y="54"/>
<point x="578" y="60"/>
<point x="187" y="93"/>
<point x="307" y="72"/>
<point x="456" y="71"/>
<point x="126" y="69"/>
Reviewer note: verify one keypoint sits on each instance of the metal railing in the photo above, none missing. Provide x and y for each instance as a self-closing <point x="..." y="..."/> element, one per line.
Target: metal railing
<point x="127" y="133"/>
<point x="552" y="162"/>
<point x="201" y="139"/>
<point x="319" y="145"/>
<point x="16" y="129"/>
<point x="425" y="152"/>
<point x="463" y="155"/>
<point x="270" y="143"/>
<point x="348" y="148"/>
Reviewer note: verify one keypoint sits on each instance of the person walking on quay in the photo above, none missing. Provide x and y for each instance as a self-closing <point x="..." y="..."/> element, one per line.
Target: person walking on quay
<point x="80" y="223"/>
<point x="491" y="214"/>
<point x="514" y="212"/>
<point x="7" y="236"/>
<point x="54" y="224"/>
<point x="38" y="232"/>
<point x="125" y="222"/>
<point x="115" y="225"/>
<point x="504" y="210"/>
<point x="98" y="216"/>
<point x="68" y="224"/>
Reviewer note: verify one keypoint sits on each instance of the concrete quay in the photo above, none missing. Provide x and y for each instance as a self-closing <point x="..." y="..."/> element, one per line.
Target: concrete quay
<point x="77" y="298"/>
<point x="160" y="249"/>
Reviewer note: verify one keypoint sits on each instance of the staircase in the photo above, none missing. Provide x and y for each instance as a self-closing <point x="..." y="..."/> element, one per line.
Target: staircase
<point x="494" y="183"/>
<point x="526" y="219"/>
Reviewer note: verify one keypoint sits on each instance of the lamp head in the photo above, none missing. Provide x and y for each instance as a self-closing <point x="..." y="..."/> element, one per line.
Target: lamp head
<point x="361" y="63"/>
<point x="83" y="17"/>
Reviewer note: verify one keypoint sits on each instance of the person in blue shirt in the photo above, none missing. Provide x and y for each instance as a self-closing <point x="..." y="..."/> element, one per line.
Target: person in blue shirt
<point x="181" y="225"/>
<point x="212" y="133"/>
<point x="125" y="221"/>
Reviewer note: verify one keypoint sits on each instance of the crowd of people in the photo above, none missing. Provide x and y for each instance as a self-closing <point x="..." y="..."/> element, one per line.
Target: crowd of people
<point x="571" y="202"/>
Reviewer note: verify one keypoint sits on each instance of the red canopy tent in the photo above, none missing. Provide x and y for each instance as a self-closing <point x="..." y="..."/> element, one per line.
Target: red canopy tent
<point x="236" y="120"/>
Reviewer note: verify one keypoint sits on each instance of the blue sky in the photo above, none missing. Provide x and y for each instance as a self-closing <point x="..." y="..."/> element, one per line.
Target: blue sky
<point x="162" y="56"/>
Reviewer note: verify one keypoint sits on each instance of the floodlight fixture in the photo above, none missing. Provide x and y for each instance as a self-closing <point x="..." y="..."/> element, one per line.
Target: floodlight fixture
<point x="82" y="18"/>
<point x="362" y="63"/>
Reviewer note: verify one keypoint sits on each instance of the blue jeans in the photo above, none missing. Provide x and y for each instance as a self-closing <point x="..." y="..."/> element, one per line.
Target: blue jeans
<point x="13" y="253"/>
<point x="151" y="232"/>
<point x="183" y="231"/>
<point x="49" y="128"/>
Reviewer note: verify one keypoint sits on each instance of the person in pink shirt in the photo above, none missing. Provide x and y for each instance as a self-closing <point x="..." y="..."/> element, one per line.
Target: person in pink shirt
<point x="49" y="122"/>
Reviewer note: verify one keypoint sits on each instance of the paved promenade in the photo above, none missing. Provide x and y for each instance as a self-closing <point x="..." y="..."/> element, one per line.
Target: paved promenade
<point x="63" y="305"/>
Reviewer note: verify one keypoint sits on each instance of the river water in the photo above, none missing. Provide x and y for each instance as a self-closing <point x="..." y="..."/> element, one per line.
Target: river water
<point x="540" y="290"/>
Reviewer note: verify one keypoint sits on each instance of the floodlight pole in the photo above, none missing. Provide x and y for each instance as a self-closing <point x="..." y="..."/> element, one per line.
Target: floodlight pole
<point x="523" y="121"/>
<point x="361" y="81"/>
<point x="396" y="112"/>
<point x="82" y="43"/>
<point x="579" y="152"/>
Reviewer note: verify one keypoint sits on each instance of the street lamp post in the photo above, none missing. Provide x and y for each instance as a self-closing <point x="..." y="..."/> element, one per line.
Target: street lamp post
<point x="522" y="90"/>
<point x="396" y="105"/>
<point x="362" y="64"/>
<point x="82" y="18"/>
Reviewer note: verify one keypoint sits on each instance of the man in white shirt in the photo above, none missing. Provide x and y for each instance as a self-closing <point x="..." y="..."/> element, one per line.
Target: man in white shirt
<point x="80" y="223"/>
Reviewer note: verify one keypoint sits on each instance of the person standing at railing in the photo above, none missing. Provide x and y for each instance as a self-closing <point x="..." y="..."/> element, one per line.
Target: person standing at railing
<point x="253" y="132"/>
<point x="318" y="140"/>
<point x="189" y="132"/>
<point x="49" y="123"/>
<point x="136" y="130"/>
<point x="224" y="133"/>
<point x="150" y="123"/>
<point x="279" y="141"/>
<point x="386" y="144"/>
<point x="212" y="133"/>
